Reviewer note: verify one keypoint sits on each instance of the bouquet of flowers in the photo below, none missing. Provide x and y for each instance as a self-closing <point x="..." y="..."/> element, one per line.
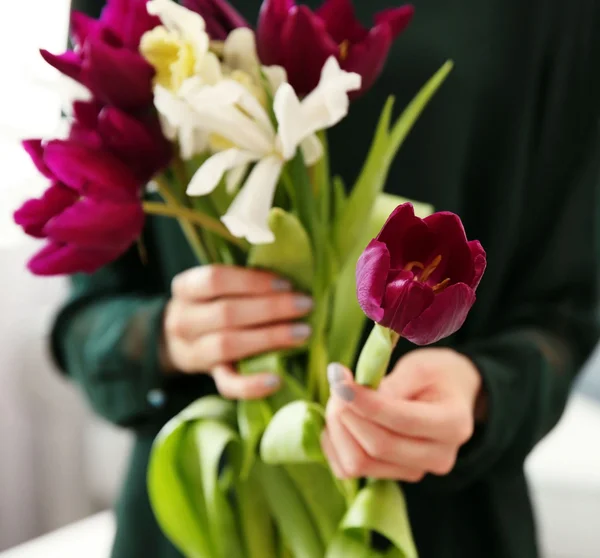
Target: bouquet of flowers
<point x="228" y="124"/>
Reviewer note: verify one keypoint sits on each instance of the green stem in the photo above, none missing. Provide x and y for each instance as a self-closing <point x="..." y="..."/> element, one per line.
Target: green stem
<point x="375" y="356"/>
<point x="188" y="228"/>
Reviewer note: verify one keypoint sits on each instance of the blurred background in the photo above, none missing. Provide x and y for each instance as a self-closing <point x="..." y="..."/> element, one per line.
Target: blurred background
<point x="58" y="464"/>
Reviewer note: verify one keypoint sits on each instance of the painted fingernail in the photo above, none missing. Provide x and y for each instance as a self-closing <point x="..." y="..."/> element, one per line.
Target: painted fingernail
<point x="281" y="285"/>
<point x="272" y="381"/>
<point x="301" y="332"/>
<point x="343" y="392"/>
<point x="335" y="373"/>
<point x="303" y="303"/>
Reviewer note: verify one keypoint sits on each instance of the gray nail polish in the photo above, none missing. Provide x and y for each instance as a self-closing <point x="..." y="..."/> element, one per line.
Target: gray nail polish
<point x="303" y="303"/>
<point x="301" y="332"/>
<point x="281" y="285"/>
<point x="335" y="373"/>
<point x="272" y="381"/>
<point x="343" y="392"/>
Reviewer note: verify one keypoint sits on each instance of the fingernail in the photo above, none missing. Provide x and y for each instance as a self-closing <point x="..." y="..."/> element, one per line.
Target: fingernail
<point x="281" y="285"/>
<point x="301" y="331"/>
<point x="335" y="373"/>
<point x="272" y="381"/>
<point x="343" y="392"/>
<point x="303" y="303"/>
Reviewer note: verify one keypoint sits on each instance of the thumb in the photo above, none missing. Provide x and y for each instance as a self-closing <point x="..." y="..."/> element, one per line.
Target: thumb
<point x="413" y="375"/>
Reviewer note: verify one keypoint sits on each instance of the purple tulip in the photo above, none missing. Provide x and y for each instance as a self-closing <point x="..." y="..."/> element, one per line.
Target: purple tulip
<point x="220" y="17"/>
<point x="106" y="59"/>
<point x="301" y="40"/>
<point x="113" y="74"/>
<point x="419" y="276"/>
<point x="140" y="144"/>
<point x="91" y="213"/>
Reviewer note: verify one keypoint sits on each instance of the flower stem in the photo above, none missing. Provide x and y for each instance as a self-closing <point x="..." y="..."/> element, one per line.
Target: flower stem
<point x="375" y="356"/>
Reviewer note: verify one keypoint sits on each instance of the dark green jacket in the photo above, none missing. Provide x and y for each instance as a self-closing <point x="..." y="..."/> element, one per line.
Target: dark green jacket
<point x="511" y="144"/>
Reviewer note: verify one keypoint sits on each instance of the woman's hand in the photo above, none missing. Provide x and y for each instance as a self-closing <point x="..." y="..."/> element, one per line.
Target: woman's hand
<point x="413" y="424"/>
<point x="219" y="315"/>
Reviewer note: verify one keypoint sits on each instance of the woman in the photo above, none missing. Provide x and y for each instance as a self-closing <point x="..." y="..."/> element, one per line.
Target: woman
<point x="510" y="143"/>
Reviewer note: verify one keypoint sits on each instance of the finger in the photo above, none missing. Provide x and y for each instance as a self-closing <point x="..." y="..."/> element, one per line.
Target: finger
<point x="233" y="345"/>
<point x="214" y="281"/>
<point x="350" y="461"/>
<point x="332" y="458"/>
<point x="408" y="418"/>
<point x="383" y="445"/>
<point x="191" y="320"/>
<point x="232" y="385"/>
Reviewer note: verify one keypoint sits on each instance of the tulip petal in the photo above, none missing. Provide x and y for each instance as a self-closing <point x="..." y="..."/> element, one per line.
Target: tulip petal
<point x="479" y="262"/>
<point x="67" y="259"/>
<point x="220" y="16"/>
<point x="98" y="225"/>
<point x="35" y="213"/>
<point x="272" y="17"/>
<point x="445" y="316"/>
<point x="404" y="300"/>
<point x="239" y="51"/>
<point x="117" y="76"/>
<point x="92" y="173"/>
<point x="306" y="46"/>
<point x="248" y="215"/>
<point x="368" y="57"/>
<point x="208" y="176"/>
<point x="82" y="25"/>
<point x="451" y="244"/>
<point x="128" y="20"/>
<point x="312" y="150"/>
<point x="397" y="18"/>
<point x="35" y="150"/>
<point x="69" y="63"/>
<point x="341" y="21"/>
<point x="372" y="270"/>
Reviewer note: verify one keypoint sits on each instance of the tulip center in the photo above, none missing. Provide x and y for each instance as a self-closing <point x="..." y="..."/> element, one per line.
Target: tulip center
<point x="426" y="272"/>
<point x="344" y="47"/>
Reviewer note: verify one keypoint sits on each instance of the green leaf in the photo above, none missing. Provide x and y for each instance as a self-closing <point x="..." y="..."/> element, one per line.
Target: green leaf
<point x="253" y="418"/>
<point x="371" y="181"/>
<point x="339" y="196"/>
<point x="294" y="434"/>
<point x="290" y="513"/>
<point x="379" y="507"/>
<point x="256" y="524"/>
<point x="347" y="319"/>
<point x="170" y="495"/>
<point x="321" y="495"/>
<point x="212" y="439"/>
<point x="291" y="253"/>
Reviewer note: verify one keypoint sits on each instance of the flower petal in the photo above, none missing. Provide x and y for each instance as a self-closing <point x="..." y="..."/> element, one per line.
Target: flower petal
<point x="82" y="25"/>
<point x="98" y="225"/>
<point x="306" y="46"/>
<point x="239" y="51"/>
<point x="220" y="16"/>
<point x="117" y="76"/>
<point x="341" y="22"/>
<point x="368" y="57"/>
<point x="397" y="18"/>
<point x="276" y="75"/>
<point x="67" y="259"/>
<point x="248" y="215"/>
<point x="91" y="173"/>
<point x="271" y="20"/>
<point x="69" y="63"/>
<point x="35" y="149"/>
<point x="479" y="262"/>
<point x="445" y="316"/>
<point x="35" y="213"/>
<point x="312" y="150"/>
<point x="404" y="300"/>
<point x="372" y="270"/>
<point x="234" y="178"/>
<point x="208" y="176"/>
<point x="128" y="20"/>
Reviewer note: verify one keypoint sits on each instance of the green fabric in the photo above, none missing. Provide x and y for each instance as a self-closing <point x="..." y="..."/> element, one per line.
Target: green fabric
<point x="511" y="144"/>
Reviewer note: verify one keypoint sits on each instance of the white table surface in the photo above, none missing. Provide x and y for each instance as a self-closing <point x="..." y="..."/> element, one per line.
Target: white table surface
<point x="564" y="474"/>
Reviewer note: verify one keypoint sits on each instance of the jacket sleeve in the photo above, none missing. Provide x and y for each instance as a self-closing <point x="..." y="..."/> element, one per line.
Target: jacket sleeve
<point x="549" y="321"/>
<point x="107" y="337"/>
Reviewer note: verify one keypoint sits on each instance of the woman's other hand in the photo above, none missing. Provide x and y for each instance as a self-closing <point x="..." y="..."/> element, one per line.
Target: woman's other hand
<point x="219" y="315"/>
<point x="412" y="425"/>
